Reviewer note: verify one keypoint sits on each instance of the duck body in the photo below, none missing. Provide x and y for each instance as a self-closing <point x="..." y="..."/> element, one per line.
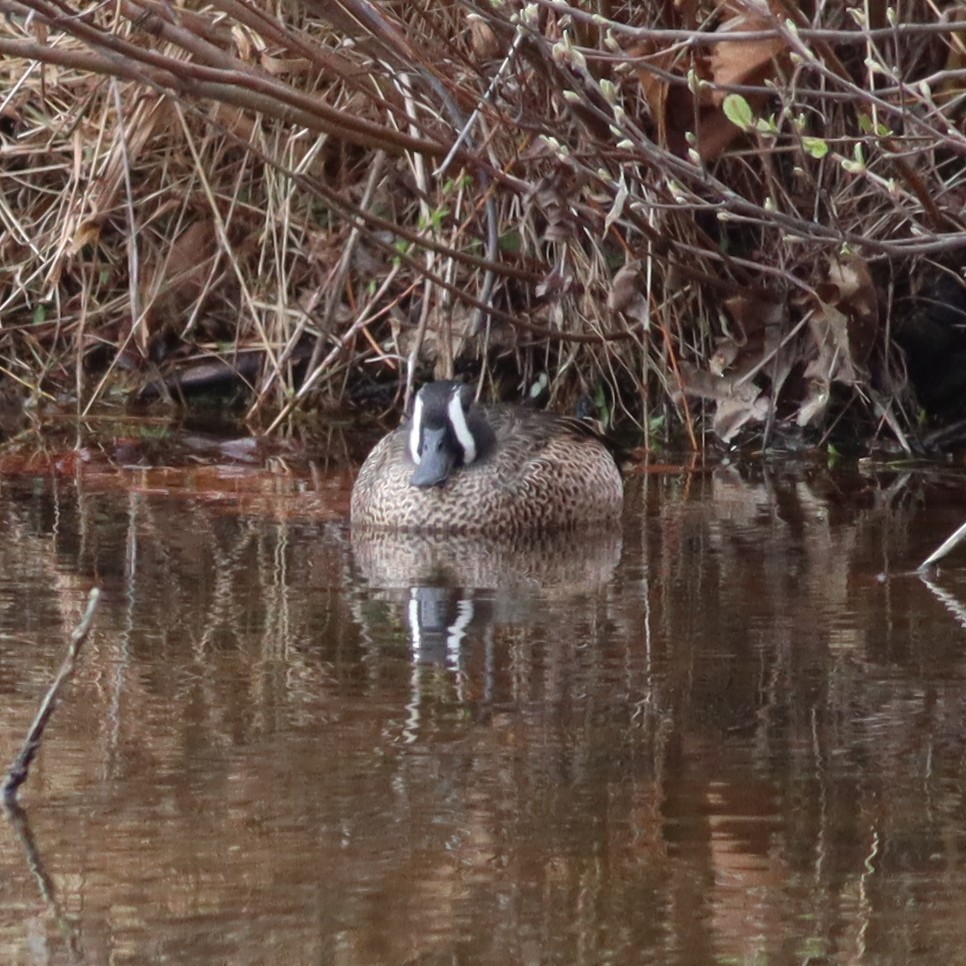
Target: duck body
<point x="460" y="467"/>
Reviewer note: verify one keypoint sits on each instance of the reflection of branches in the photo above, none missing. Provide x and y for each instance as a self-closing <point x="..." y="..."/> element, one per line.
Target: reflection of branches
<point x="21" y="826"/>
<point x="951" y="603"/>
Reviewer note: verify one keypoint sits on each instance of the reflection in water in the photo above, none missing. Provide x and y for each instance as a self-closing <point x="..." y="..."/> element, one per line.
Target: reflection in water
<point x="34" y="863"/>
<point x="438" y="581"/>
<point x="955" y="606"/>
<point x="719" y="737"/>
<point x="438" y="620"/>
<point x="552" y="563"/>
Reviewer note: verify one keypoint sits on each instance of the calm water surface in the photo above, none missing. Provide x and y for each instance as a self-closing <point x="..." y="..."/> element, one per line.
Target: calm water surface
<point x="718" y="737"/>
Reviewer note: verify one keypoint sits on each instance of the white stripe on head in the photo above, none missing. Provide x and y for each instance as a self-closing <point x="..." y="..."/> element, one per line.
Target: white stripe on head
<point x="457" y="420"/>
<point x="416" y="430"/>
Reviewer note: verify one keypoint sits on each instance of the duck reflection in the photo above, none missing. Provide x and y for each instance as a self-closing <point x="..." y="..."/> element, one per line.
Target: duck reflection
<point x="451" y="588"/>
<point x="558" y="563"/>
<point x="438" y="618"/>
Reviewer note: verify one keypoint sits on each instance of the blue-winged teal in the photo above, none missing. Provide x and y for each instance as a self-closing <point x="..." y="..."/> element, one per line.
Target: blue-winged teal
<point x="459" y="467"/>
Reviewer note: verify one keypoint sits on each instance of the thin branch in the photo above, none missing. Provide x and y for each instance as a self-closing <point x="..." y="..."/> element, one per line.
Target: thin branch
<point x="946" y="547"/>
<point x="20" y="769"/>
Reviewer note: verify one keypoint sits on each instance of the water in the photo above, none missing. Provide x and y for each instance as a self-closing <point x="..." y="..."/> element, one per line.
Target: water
<point x="720" y="737"/>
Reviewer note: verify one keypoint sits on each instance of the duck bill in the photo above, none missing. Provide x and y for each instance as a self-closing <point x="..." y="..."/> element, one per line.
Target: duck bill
<point x="436" y="459"/>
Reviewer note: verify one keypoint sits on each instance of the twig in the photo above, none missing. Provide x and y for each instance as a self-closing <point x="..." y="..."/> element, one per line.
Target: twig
<point x="467" y="127"/>
<point x="945" y="548"/>
<point x="695" y="38"/>
<point x="20" y="768"/>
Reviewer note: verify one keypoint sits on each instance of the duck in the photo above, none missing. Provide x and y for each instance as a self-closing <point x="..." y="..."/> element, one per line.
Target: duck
<point x="461" y="467"/>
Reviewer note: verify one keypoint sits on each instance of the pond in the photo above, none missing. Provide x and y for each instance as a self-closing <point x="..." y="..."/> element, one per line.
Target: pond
<point x="734" y="733"/>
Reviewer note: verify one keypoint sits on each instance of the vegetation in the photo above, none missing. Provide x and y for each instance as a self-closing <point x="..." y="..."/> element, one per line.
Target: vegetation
<point x="723" y="209"/>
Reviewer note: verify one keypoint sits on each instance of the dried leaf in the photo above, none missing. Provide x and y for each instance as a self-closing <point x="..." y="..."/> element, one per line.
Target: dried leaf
<point x="736" y="61"/>
<point x="845" y="324"/>
<point x="626" y="289"/>
<point x="857" y="293"/>
<point x="715" y="133"/>
<point x="617" y="208"/>
<point x="88" y="233"/>
<point x="734" y="413"/>
<point x="815" y="403"/>
<point x="654" y="86"/>
<point x="833" y="362"/>
<point x="677" y="110"/>
<point x="173" y="286"/>
<point x="724" y="356"/>
<point x="753" y="313"/>
<point x="738" y="402"/>
<point x="483" y="40"/>
<point x="284" y="66"/>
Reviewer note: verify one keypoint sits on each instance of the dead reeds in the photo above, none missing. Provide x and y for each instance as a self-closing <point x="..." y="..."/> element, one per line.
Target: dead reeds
<point x="732" y="207"/>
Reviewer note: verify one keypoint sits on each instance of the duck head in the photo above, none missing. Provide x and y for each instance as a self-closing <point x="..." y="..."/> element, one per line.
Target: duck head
<point x="444" y="433"/>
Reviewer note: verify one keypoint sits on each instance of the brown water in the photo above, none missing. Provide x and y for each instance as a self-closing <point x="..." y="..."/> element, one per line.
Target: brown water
<point x="720" y="738"/>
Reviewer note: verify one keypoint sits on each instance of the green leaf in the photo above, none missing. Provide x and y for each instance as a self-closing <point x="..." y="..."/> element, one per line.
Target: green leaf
<point x="856" y="166"/>
<point x="738" y="111"/>
<point x="816" y="147"/>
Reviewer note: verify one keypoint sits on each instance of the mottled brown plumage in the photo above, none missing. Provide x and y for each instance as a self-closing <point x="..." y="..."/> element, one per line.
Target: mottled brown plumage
<point x="535" y="472"/>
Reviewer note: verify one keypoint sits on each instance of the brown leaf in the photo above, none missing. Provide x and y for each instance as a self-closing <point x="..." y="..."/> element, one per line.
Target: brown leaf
<point x="172" y="286"/>
<point x="88" y="233"/>
<point x="833" y="361"/>
<point x="279" y="66"/>
<point x="715" y="133"/>
<point x="845" y="324"/>
<point x="152" y="118"/>
<point x="672" y="105"/>
<point x="234" y="119"/>
<point x="738" y="402"/>
<point x="724" y="356"/>
<point x="627" y="290"/>
<point x="734" y="413"/>
<point x="815" y="403"/>
<point x="753" y="313"/>
<point x="736" y="61"/>
<point x="654" y="86"/>
<point x="483" y="40"/>
<point x="859" y="299"/>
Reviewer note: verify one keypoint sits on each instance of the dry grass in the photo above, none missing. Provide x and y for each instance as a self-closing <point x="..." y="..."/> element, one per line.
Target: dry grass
<point x="235" y="181"/>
